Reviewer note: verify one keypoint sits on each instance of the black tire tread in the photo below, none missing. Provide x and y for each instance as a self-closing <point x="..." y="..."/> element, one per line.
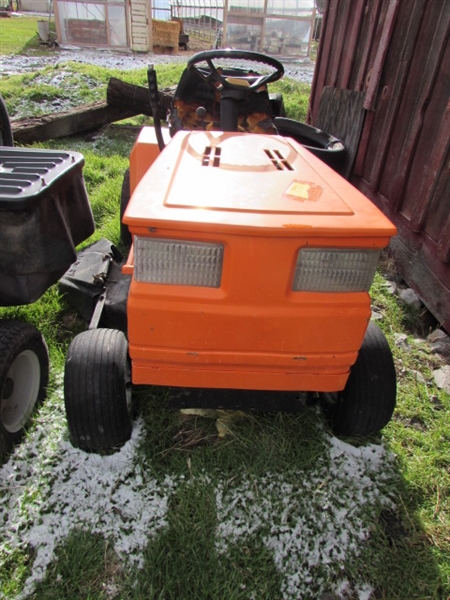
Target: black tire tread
<point x="94" y="390"/>
<point x="368" y="401"/>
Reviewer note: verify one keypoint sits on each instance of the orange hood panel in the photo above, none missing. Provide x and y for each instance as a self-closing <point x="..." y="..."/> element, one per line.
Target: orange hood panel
<point x="223" y="181"/>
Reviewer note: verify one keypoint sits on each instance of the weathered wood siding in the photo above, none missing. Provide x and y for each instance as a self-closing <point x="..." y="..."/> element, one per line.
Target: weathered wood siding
<point x="396" y="53"/>
<point x="140" y="30"/>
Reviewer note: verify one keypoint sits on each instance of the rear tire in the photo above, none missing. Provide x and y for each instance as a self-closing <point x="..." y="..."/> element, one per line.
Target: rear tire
<point x="323" y="145"/>
<point x="24" y="371"/>
<point x="367" y="402"/>
<point x="97" y="390"/>
<point x="125" y="235"/>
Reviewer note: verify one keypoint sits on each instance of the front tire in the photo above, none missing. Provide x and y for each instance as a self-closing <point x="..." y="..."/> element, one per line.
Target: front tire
<point x="97" y="390"/>
<point x="24" y="372"/>
<point x="367" y="402"/>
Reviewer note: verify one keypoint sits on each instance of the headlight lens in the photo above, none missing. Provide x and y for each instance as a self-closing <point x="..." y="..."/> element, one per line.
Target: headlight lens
<point x="323" y="270"/>
<point x="176" y="262"/>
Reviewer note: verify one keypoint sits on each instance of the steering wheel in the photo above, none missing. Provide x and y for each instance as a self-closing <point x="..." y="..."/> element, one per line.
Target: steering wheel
<point x="249" y="82"/>
<point x="234" y="84"/>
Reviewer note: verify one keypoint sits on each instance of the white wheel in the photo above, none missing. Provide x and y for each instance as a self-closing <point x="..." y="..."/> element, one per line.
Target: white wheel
<point x="24" y="369"/>
<point x="20" y="391"/>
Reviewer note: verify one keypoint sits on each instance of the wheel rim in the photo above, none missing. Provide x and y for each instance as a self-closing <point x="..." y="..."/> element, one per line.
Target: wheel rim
<point x="20" y="391"/>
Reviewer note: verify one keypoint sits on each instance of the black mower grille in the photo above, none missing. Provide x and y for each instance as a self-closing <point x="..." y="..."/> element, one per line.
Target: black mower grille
<point x="44" y="214"/>
<point x="26" y="174"/>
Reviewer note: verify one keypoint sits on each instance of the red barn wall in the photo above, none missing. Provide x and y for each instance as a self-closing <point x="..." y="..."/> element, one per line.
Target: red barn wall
<point x="396" y="55"/>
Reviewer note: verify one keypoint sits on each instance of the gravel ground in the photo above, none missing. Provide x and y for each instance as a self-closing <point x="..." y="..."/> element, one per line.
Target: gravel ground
<point x="300" y="70"/>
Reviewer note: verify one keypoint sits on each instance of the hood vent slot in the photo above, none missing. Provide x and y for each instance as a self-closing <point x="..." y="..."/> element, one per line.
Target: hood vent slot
<point x="211" y="157"/>
<point x="278" y="160"/>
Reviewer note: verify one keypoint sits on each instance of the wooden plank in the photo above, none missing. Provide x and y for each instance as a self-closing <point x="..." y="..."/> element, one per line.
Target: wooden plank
<point x="136" y="97"/>
<point x="139" y="7"/>
<point x="339" y="43"/>
<point x="80" y="120"/>
<point x="323" y="57"/>
<point x="392" y="91"/>
<point x="377" y="68"/>
<point x="351" y="44"/>
<point x="139" y="13"/>
<point x="421" y="94"/>
<point x="366" y="133"/>
<point x="431" y="170"/>
<point x="366" y="43"/>
<point x="370" y="37"/>
<point x="124" y="100"/>
<point x="140" y="31"/>
<point x="341" y="114"/>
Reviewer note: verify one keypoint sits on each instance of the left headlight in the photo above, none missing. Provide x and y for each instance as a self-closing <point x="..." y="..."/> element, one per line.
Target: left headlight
<point x="177" y="262"/>
<point x="335" y="270"/>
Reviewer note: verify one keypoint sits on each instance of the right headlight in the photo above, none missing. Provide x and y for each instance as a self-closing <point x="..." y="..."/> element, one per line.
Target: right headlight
<point x="335" y="270"/>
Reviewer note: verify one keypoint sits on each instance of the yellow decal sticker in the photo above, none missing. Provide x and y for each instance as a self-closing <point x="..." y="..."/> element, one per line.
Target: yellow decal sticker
<point x="304" y="190"/>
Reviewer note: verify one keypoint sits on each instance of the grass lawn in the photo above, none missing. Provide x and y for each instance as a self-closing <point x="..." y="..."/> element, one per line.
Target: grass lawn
<point x="275" y="508"/>
<point x="18" y="35"/>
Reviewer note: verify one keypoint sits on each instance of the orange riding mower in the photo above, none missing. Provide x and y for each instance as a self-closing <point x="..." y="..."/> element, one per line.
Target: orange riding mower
<point x="247" y="278"/>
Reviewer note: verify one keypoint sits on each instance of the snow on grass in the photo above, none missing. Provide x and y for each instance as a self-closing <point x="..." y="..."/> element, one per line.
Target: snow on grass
<point x="311" y="521"/>
<point x="53" y="488"/>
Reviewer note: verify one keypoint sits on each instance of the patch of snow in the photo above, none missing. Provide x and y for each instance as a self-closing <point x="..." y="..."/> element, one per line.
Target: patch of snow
<point x="72" y="489"/>
<point x="320" y="523"/>
<point x="311" y="520"/>
<point x="345" y="590"/>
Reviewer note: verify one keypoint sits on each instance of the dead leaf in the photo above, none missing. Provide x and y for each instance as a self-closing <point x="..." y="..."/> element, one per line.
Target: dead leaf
<point x="224" y="418"/>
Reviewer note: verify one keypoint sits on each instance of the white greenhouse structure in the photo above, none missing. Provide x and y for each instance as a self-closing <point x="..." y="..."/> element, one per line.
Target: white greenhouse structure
<point x="276" y="27"/>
